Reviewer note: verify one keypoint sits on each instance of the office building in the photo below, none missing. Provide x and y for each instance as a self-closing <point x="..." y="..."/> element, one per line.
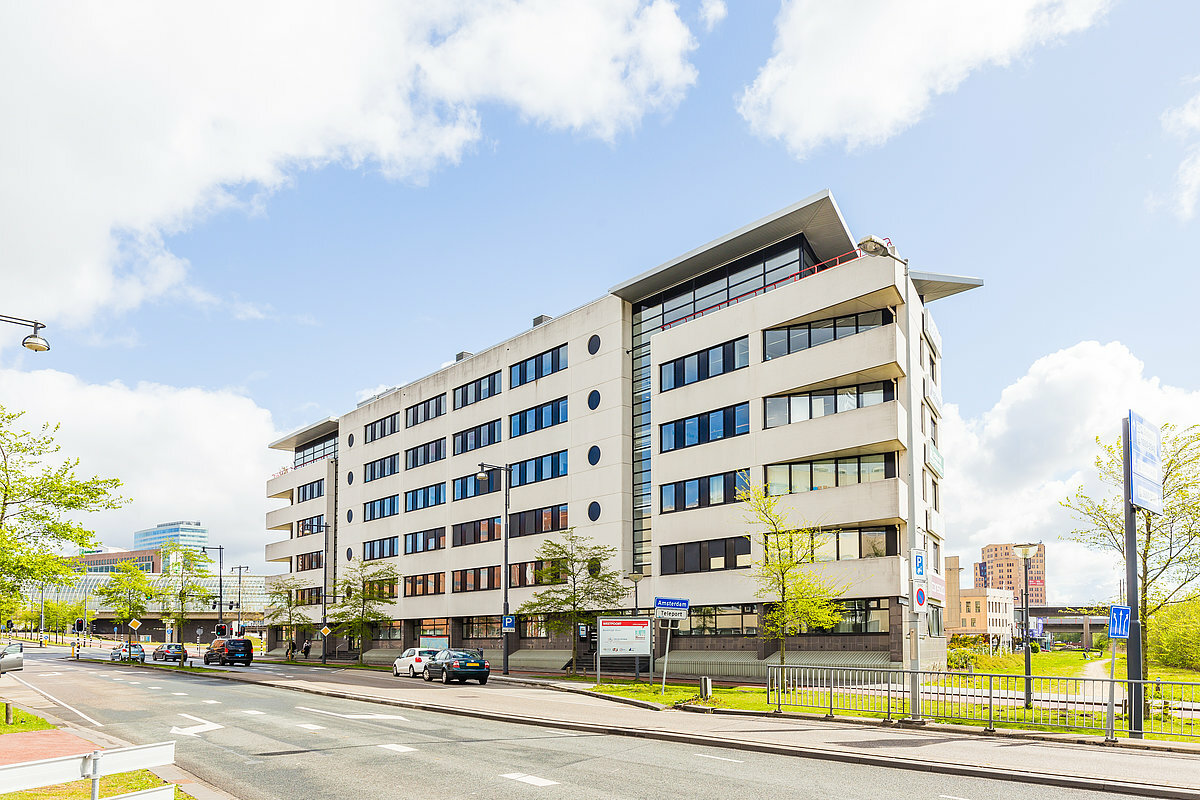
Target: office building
<point x="186" y="533"/>
<point x="988" y="613"/>
<point x="107" y="559"/>
<point x="1001" y="569"/>
<point x="780" y="354"/>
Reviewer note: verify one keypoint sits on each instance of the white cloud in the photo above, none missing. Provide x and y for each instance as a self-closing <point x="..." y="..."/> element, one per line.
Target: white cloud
<point x="182" y="453"/>
<point x="126" y="122"/>
<point x="712" y="12"/>
<point x="1008" y="469"/>
<point x="860" y="73"/>
<point x="1184" y="123"/>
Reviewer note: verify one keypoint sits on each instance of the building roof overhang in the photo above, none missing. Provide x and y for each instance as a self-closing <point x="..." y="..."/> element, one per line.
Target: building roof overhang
<point x="308" y="433"/>
<point x="818" y="217"/>
<point x="935" y="286"/>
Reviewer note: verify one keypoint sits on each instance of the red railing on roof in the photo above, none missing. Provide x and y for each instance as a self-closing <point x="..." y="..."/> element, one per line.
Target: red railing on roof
<point x="795" y="276"/>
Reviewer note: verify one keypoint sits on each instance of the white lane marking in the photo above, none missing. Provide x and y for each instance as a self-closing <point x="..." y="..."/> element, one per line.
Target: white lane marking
<point x="308" y="726"/>
<point x="718" y="758"/>
<point x="48" y="674"/>
<point x="352" y="716"/>
<point x="212" y="702"/>
<point x="204" y="727"/>
<point x="134" y="683"/>
<point x="951" y="797"/>
<point x="252" y="712"/>
<point x="179" y="694"/>
<point x="153" y="687"/>
<point x="398" y="748"/>
<point x="530" y="779"/>
<point x="56" y="700"/>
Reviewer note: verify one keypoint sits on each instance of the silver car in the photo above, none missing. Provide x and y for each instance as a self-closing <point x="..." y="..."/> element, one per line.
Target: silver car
<point x="12" y="657"/>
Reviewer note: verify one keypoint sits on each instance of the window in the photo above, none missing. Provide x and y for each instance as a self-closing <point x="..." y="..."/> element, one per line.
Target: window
<point x="539" y="520"/>
<point x="705" y="364"/>
<point x="480" y="530"/>
<point x="381" y="548"/>
<point x="539" y="366"/>
<point x="310" y="491"/>
<point x="735" y="620"/>
<point x="381" y="427"/>
<point x="720" y="424"/>
<point x="424" y="541"/>
<point x="538" y="417"/>
<point x="478" y="579"/>
<point x="381" y="468"/>
<point x="310" y="525"/>
<point x="477" y="437"/>
<point x="384" y="507"/>
<point x="786" y="409"/>
<point x="711" y="490"/>
<point x="315" y="451"/>
<point x="380" y="590"/>
<point x="308" y="597"/>
<point x="425" y="497"/>
<point x="425" y="454"/>
<point x="309" y="561"/>
<point x="852" y="543"/>
<point x="829" y="473"/>
<point x="477" y="390"/>
<point x="423" y="412"/>
<point x="542" y="468"/>
<point x="781" y="341"/>
<point x="532" y="626"/>
<point x="470" y="485"/>
<point x="430" y="583"/>
<point x="535" y="573"/>
<point x="861" y="616"/>
<point x="481" y="627"/>
<point x="705" y="556"/>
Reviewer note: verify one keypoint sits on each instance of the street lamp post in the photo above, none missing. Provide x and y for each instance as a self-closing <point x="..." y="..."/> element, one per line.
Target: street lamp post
<point x="504" y="580"/>
<point x="1026" y="552"/>
<point x="240" y="570"/>
<point x="220" y="578"/>
<point x="33" y="341"/>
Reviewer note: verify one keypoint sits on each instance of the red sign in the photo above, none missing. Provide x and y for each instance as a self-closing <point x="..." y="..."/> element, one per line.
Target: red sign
<point x="1037" y="582"/>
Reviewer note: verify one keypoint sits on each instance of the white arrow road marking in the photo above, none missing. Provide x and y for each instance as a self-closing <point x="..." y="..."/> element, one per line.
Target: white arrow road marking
<point x="719" y="758"/>
<point x="530" y="779"/>
<point x="353" y="716"/>
<point x="398" y="748"/>
<point x="192" y="730"/>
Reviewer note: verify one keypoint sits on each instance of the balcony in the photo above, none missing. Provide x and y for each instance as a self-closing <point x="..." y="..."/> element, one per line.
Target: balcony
<point x="879" y="503"/>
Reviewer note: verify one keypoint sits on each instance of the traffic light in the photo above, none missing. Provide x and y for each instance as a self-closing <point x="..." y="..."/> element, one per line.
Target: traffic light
<point x="214" y="605"/>
<point x="242" y="631"/>
<point x="78" y="625"/>
<point x="222" y="629"/>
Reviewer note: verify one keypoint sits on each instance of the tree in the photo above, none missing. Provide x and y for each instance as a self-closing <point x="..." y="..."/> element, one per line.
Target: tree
<point x="35" y="499"/>
<point x="127" y="592"/>
<point x="1174" y="638"/>
<point x="1168" y="546"/>
<point x="364" y="593"/>
<point x="798" y="599"/>
<point x="182" y="569"/>
<point x="578" y="583"/>
<point x="283" y="605"/>
<point x="12" y="606"/>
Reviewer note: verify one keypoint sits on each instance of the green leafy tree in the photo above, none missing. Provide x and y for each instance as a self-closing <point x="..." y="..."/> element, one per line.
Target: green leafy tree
<point x="180" y="588"/>
<point x="12" y="606"/>
<point x="36" y="499"/>
<point x="61" y="615"/>
<point x="579" y="582"/>
<point x="364" y="594"/>
<point x="1174" y="638"/>
<point x="283" y="605"/>
<point x="797" y="598"/>
<point x="1168" y="546"/>
<point x="128" y="592"/>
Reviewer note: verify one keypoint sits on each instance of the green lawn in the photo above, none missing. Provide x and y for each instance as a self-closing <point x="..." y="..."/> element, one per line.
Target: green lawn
<point x="110" y="786"/>
<point x="24" y="722"/>
<point x="1059" y="664"/>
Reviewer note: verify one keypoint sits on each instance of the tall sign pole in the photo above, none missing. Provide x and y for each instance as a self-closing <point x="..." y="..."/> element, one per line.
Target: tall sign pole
<point x="1141" y="447"/>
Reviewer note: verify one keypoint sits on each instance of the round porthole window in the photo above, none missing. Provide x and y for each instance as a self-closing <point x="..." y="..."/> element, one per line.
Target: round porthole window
<point x="594" y="511"/>
<point x="594" y="399"/>
<point x="594" y="455"/>
<point x="349" y="553"/>
<point x="594" y="345"/>
<point x="350" y="440"/>
<point x="349" y="515"/>
<point x="349" y="477"/>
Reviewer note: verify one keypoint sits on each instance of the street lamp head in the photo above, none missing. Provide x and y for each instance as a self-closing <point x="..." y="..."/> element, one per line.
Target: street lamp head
<point x="635" y="577"/>
<point x="482" y="474"/>
<point x="1025" y="551"/>
<point x="35" y="343"/>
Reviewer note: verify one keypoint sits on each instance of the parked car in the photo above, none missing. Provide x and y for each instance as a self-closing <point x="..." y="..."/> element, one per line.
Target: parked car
<point x="412" y="661"/>
<point x="127" y="652"/>
<point x="229" y="651"/>
<point x="451" y="665"/>
<point x="171" y="651"/>
<point x="12" y="657"/>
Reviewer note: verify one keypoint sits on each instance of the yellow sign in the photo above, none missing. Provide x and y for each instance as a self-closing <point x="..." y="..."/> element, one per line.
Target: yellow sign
<point x="134" y="624"/>
<point x="326" y="631"/>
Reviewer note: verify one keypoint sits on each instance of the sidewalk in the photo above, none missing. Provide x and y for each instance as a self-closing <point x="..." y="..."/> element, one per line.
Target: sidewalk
<point x="1061" y="761"/>
<point x="37" y="745"/>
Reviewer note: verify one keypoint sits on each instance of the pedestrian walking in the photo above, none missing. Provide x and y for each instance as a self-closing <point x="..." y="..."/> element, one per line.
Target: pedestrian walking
<point x="307" y="647"/>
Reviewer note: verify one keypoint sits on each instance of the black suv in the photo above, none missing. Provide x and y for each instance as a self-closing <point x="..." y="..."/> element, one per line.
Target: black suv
<point x="229" y="651"/>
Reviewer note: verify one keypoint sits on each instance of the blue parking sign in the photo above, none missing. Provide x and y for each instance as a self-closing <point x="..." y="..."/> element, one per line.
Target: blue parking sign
<point x="1118" y="622"/>
<point x="508" y="624"/>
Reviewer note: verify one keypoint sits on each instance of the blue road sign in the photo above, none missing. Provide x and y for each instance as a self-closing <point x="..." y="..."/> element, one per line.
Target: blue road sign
<point x="508" y="624"/>
<point x="1118" y="622"/>
<point x="670" y="608"/>
<point x="1145" y="467"/>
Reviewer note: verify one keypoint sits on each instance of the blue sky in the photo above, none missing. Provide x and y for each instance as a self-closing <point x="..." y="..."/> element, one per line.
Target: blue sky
<point x="226" y="251"/>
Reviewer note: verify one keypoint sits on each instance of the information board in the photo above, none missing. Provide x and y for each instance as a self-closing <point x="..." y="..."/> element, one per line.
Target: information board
<point x="623" y="636"/>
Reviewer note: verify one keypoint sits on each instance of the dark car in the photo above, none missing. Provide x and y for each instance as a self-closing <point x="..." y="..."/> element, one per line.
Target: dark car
<point x="459" y="665"/>
<point x="171" y="651"/>
<point x="229" y="651"/>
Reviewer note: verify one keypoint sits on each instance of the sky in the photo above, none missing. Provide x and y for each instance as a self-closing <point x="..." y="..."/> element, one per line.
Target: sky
<point x="231" y="231"/>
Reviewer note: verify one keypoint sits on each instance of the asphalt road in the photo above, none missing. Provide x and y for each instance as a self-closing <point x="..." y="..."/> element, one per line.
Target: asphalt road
<point x="265" y="743"/>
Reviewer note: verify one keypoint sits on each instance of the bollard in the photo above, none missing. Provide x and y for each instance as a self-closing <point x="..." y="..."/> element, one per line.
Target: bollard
<point x="8" y="713"/>
<point x="706" y="687"/>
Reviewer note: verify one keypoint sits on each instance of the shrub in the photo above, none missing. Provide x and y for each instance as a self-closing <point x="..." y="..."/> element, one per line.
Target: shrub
<point x="1034" y="647"/>
<point x="1174" y="636"/>
<point x="961" y="658"/>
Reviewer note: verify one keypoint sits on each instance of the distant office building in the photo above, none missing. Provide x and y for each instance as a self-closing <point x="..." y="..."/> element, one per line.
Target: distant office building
<point x="1001" y="569"/>
<point x="107" y="559"/>
<point x="186" y="533"/>
<point x="986" y="612"/>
